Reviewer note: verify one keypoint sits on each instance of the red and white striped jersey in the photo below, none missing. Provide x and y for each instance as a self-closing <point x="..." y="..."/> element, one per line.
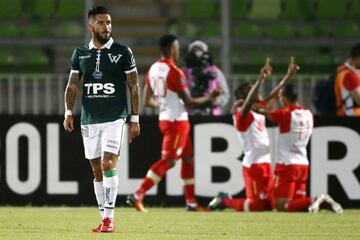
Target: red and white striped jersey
<point x="165" y="80"/>
<point x="251" y="130"/>
<point x="295" y="125"/>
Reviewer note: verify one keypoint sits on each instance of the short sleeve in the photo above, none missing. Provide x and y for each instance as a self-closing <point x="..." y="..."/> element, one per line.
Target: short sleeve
<point x="277" y="115"/>
<point x="176" y="80"/>
<point x="242" y="123"/>
<point x="128" y="62"/>
<point x="75" y="63"/>
<point x="351" y="81"/>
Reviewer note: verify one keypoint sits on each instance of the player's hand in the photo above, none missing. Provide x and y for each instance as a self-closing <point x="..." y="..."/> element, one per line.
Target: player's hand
<point x="217" y="92"/>
<point x="134" y="130"/>
<point x="69" y="123"/>
<point x="266" y="71"/>
<point x="293" y="68"/>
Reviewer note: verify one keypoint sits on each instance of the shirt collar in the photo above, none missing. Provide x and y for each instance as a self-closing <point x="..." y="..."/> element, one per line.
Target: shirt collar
<point x="106" y="45"/>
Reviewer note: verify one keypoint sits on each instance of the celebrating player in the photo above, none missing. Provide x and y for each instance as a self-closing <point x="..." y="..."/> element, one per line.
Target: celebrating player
<point x="257" y="171"/>
<point x="292" y="165"/>
<point x="106" y="67"/>
<point x="166" y="88"/>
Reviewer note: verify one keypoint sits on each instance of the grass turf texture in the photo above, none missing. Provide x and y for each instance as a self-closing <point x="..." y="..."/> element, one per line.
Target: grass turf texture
<point x="28" y="223"/>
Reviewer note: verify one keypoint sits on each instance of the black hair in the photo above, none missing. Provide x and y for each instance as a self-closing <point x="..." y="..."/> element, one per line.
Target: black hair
<point x="166" y="41"/>
<point x="290" y="92"/>
<point x="242" y="90"/>
<point x="97" y="10"/>
<point x="355" y="51"/>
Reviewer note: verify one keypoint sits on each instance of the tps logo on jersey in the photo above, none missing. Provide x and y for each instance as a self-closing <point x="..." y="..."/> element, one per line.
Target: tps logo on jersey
<point x="99" y="90"/>
<point x="114" y="58"/>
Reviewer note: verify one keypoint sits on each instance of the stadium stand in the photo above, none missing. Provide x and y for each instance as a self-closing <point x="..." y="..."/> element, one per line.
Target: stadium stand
<point x="70" y="9"/>
<point x="41" y="9"/>
<point x="296" y="10"/>
<point x="9" y="30"/>
<point x="269" y="9"/>
<point x="354" y="9"/>
<point x="304" y="26"/>
<point x="239" y="9"/>
<point x="10" y="11"/>
<point x="281" y="30"/>
<point x="200" y="9"/>
<point x="247" y="30"/>
<point x="335" y="10"/>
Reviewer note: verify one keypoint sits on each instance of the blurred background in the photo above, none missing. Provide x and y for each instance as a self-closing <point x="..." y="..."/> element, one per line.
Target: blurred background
<point x="37" y="38"/>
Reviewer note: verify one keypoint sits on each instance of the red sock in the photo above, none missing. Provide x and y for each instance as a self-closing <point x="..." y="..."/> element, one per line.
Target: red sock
<point x="300" y="204"/>
<point x="154" y="175"/>
<point x="187" y="175"/>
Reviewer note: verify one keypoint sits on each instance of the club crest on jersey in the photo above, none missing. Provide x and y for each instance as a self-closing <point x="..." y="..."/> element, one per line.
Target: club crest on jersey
<point x="114" y="58"/>
<point x="97" y="74"/>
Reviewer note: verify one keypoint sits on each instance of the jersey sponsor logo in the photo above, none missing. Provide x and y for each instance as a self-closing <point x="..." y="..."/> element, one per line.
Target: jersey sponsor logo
<point x="99" y="90"/>
<point x="114" y="58"/>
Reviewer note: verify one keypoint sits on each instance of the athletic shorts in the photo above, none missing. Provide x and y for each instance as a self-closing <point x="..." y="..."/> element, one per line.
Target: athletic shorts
<point x="176" y="141"/>
<point x="291" y="181"/>
<point x="102" y="137"/>
<point x="259" y="181"/>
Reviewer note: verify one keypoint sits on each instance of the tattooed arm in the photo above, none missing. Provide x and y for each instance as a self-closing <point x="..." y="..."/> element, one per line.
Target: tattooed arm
<point x="132" y="80"/>
<point x="69" y="98"/>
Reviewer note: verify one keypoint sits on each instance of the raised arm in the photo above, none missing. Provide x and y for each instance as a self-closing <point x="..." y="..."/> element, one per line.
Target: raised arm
<point x="264" y="74"/>
<point x="69" y="99"/>
<point x="132" y="80"/>
<point x="292" y="69"/>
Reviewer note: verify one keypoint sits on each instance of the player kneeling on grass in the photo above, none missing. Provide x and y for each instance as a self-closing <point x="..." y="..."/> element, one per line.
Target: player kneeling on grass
<point x="257" y="170"/>
<point x="292" y="165"/>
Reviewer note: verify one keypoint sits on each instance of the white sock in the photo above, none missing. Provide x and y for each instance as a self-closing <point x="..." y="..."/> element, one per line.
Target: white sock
<point x="99" y="193"/>
<point x="110" y="192"/>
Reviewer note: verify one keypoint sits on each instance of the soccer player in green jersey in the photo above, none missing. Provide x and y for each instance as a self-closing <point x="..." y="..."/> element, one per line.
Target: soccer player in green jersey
<point x="103" y="68"/>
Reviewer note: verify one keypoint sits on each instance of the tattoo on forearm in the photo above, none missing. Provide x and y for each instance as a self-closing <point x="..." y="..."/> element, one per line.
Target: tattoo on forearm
<point x="134" y="88"/>
<point x="70" y="91"/>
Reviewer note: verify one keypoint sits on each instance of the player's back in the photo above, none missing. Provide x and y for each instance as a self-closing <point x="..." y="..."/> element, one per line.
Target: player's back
<point x="165" y="80"/>
<point x="295" y="132"/>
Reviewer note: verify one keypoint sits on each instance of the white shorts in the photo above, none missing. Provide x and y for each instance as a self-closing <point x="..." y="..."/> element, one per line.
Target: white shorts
<point x="103" y="137"/>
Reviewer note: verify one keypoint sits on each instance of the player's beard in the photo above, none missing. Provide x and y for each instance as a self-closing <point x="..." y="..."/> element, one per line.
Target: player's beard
<point x="101" y="39"/>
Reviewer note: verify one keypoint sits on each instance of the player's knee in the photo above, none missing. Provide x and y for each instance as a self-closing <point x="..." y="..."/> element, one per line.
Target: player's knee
<point x="171" y="162"/>
<point x="108" y="162"/>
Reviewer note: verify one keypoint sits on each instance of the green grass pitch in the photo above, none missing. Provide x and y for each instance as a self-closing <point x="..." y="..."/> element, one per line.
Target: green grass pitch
<point x="51" y="223"/>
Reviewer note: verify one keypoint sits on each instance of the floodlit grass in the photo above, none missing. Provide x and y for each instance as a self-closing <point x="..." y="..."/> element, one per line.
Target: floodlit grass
<point x="51" y="223"/>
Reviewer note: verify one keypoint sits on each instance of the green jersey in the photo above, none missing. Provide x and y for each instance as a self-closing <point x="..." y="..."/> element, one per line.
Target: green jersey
<point x="104" y="80"/>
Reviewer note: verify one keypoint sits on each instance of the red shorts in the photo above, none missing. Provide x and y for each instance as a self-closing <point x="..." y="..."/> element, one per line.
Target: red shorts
<point x="259" y="181"/>
<point x="176" y="141"/>
<point x="291" y="180"/>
